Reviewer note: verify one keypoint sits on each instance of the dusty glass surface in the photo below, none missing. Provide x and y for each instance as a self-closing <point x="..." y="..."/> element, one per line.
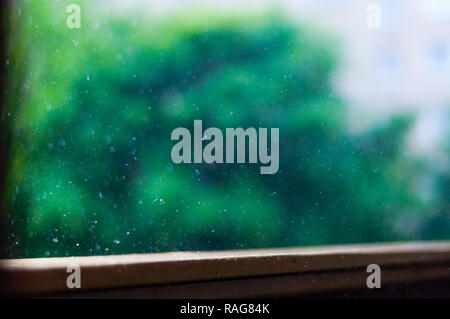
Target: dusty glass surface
<point x="360" y="96"/>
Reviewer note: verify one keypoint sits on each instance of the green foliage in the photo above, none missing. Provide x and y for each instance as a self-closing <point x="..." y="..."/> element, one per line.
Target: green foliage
<point x="91" y="171"/>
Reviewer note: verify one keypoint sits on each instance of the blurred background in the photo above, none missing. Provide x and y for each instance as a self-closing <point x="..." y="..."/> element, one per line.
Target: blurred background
<point x="363" y="114"/>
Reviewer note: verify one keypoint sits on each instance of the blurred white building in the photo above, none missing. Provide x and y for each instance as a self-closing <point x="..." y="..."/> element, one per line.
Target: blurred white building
<point x="403" y="65"/>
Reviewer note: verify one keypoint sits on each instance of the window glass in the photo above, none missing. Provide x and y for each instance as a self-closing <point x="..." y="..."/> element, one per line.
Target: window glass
<point x="152" y="126"/>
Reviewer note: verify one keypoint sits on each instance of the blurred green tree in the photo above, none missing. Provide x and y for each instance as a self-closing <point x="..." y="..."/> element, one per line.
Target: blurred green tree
<point x="91" y="171"/>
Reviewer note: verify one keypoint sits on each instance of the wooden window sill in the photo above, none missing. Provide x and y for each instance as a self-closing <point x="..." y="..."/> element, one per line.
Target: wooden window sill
<point x="224" y="274"/>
